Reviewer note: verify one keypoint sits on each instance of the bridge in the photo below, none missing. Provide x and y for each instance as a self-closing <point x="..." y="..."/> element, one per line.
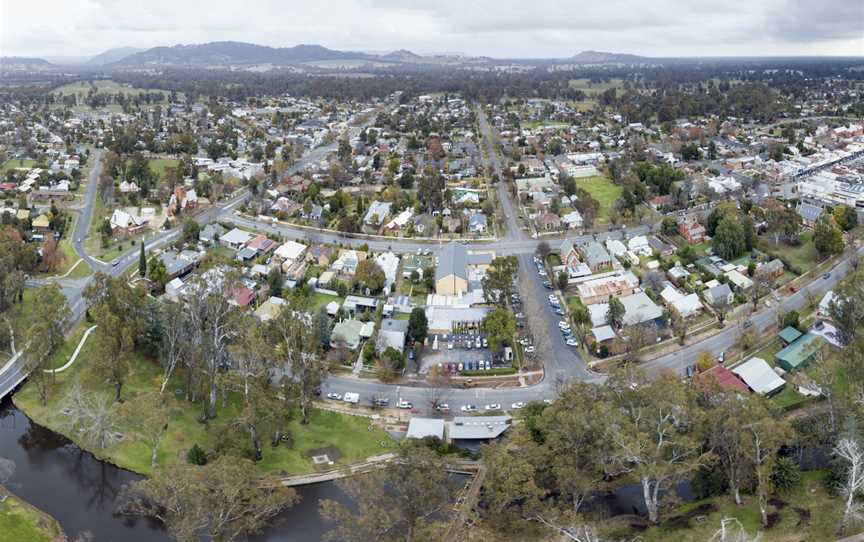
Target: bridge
<point x="12" y="373"/>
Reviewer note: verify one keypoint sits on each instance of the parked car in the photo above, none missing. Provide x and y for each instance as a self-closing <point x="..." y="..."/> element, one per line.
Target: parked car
<point x="334" y="396"/>
<point x="572" y="342"/>
<point x="826" y="276"/>
<point x="381" y="401"/>
<point x="403" y="404"/>
<point x="443" y="407"/>
<point x="547" y="284"/>
<point x="529" y="349"/>
<point x="493" y="406"/>
<point x="517" y="405"/>
<point x="461" y="367"/>
<point x="468" y="408"/>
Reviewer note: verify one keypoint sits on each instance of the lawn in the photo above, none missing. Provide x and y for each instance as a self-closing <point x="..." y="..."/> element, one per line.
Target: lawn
<point x="346" y="438"/>
<point x="589" y="88"/>
<point x="17" y="163"/>
<point x="801" y="258"/>
<point x="106" y="86"/>
<point x="806" y="513"/>
<point x="322" y="300"/>
<point x="158" y="165"/>
<point x="604" y="191"/>
<point x="789" y="397"/>
<point x="21" y="521"/>
<point x="534" y="124"/>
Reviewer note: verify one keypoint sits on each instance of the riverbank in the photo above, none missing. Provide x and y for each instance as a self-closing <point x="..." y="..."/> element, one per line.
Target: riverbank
<point x="343" y="438"/>
<point x="20" y="520"/>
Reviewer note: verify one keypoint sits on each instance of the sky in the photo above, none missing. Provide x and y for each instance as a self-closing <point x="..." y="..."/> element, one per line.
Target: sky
<point x="496" y="28"/>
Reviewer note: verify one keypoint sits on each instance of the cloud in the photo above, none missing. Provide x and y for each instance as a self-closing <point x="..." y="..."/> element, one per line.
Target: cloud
<point x="501" y="28"/>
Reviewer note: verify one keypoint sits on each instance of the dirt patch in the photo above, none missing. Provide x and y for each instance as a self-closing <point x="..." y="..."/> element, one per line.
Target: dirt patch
<point x="333" y="453"/>
<point x="773" y="519"/>
<point x="803" y="516"/>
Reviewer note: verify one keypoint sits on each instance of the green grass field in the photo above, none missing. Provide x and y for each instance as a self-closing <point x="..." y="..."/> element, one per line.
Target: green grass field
<point x="103" y="86"/>
<point x="586" y="86"/>
<point x="534" y="124"/>
<point x="17" y="163"/>
<point x="20" y="521"/>
<point x="801" y="257"/>
<point x="158" y="165"/>
<point x="604" y="191"/>
<point x="816" y="516"/>
<point x="347" y="438"/>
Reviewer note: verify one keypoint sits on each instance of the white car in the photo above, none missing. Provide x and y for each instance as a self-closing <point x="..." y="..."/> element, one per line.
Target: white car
<point x="443" y="407"/>
<point x="563" y="324"/>
<point x="517" y="405"/>
<point x="402" y="403"/>
<point x="493" y="406"/>
<point x="468" y="408"/>
<point x="572" y="342"/>
<point x="334" y="396"/>
<point x="529" y="349"/>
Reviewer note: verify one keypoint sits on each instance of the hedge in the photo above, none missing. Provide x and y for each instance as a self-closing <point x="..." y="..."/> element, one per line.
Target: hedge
<point x="491" y="372"/>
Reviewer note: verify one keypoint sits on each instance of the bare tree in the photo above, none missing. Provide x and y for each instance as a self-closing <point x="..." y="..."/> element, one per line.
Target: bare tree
<point x="851" y="450"/>
<point x="174" y="337"/>
<point x="439" y="386"/>
<point x="90" y="416"/>
<point x="731" y="530"/>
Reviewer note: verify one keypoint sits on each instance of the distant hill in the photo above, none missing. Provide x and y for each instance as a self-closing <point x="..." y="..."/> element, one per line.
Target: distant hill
<point x="600" y="57"/>
<point x="23" y="61"/>
<point x="113" y="55"/>
<point x="404" y="55"/>
<point x="232" y="53"/>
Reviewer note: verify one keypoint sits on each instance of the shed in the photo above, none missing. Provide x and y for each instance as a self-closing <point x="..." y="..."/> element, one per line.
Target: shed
<point x="800" y="352"/>
<point x="789" y="334"/>
<point x="759" y="376"/>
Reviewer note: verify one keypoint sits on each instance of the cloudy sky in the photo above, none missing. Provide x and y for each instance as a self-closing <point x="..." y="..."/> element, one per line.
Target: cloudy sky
<point x="499" y="28"/>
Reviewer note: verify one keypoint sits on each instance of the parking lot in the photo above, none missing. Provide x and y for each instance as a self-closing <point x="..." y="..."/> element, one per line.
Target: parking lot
<point x="465" y="348"/>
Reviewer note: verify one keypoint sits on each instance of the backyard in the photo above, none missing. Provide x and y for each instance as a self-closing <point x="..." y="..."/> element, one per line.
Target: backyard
<point x="801" y="257"/>
<point x="344" y="438"/>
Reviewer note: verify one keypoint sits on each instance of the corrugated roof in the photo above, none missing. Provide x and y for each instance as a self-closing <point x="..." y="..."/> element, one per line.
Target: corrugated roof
<point x="452" y="260"/>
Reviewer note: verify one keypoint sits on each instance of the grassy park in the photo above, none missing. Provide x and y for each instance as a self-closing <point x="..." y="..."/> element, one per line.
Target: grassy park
<point x="17" y="163"/>
<point x="346" y="439"/>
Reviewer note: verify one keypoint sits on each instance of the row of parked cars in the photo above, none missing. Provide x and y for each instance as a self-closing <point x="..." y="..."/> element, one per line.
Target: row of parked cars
<point x="563" y="325"/>
<point x="456" y="368"/>
<point x="465" y="340"/>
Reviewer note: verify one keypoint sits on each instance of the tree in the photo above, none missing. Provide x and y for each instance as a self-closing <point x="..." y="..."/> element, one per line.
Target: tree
<point x="142" y="262"/>
<point x="50" y="316"/>
<point x="499" y="325"/>
<point x="191" y="230"/>
<point x="563" y="280"/>
<point x="439" y="385"/>
<point x="52" y="258"/>
<point x="654" y="432"/>
<point x="765" y="436"/>
<point x="847" y="307"/>
<point x="418" y="325"/>
<point x="90" y="416"/>
<point x="729" y="240"/>
<point x="827" y="237"/>
<point x="846" y="217"/>
<point x="396" y="503"/>
<point x="782" y="221"/>
<point x="615" y="313"/>
<point x="158" y="273"/>
<point x="296" y="346"/>
<point x="275" y="280"/>
<point x="670" y="226"/>
<point x="369" y="275"/>
<point x="850" y="449"/>
<point x="498" y="281"/>
<point x="543" y="250"/>
<point x="225" y="500"/>
<point x="581" y="318"/>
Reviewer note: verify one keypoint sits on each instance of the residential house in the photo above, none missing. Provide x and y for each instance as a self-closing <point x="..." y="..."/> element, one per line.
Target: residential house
<point x="377" y="213"/>
<point x="548" y="222"/>
<point x="800" y="352"/>
<point x="235" y="239"/>
<point x="809" y="213"/>
<point x="759" y="376"/>
<point x="477" y="223"/>
<point x="690" y="229"/>
<point x="719" y="295"/>
<point x="389" y="263"/>
<point x="349" y="333"/>
<point x="123" y="223"/>
<point x="290" y="252"/>
<point x="572" y="220"/>
<point x="601" y="289"/>
<point x="663" y="249"/>
<point x="392" y="334"/>
<point x="269" y="309"/>
<point x="773" y="269"/>
<point x="211" y="233"/>
<point x="741" y="282"/>
<point x="639" y="309"/>
<point x="42" y="224"/>
<point x="261" y="244"/>
<point x="719" y="377"/>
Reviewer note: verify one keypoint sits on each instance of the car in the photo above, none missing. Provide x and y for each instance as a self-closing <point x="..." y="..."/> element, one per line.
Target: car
<point x="443" y="407"/>
<point x="450" y="346"/>
<point x="115" y="262"/>
<point x="403" y="404"/>
<point x="412" y="354"/>
<point x="572" y="342"/>
<point x="529" y="349"/>
<point x="547" y="401"/>
<point x="485" y="342"/>
<point x="793" y="289"/>
<point x="564" y="324"/>
<point x="517" y="405"/>
<point x="334" y="396"/>
<point x="468" y="408"/>
<point x="493" y="406"/>
<point x="721" y="357"/>
<point x="559" y="312"/>
<point x="478" y="342"/>
<point x="826" y="276"/>
<point x="748" y="323"/>
<point x="547" y="284"/>
<point x="78" y="240"/>
<point x="381" y="401"/>
<point x="461" y="367"/>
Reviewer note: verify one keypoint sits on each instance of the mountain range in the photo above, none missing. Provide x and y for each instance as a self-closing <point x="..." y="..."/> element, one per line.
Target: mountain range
<point x="232" y="53"/>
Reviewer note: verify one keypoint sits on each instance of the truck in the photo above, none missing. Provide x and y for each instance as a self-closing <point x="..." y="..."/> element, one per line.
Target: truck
<point x="351" y="397"/>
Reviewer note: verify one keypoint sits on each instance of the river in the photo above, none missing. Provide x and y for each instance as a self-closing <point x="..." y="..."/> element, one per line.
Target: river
<point x="78" y="490"/>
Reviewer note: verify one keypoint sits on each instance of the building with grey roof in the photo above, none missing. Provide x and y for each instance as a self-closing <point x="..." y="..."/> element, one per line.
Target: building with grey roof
<point x="596" y="256"/>
<point x="425" y="427"/>
<point x="451" y="274"/>
<point x="472" y="431"/>
<point x="809" y="213"/>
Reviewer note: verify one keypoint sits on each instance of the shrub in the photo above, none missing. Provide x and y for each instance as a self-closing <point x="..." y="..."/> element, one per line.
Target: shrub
<point x="709" y="481"/>
<point x="786" y="475"/>
<point x="196" y="455"/>
<point x="491" y="372"/>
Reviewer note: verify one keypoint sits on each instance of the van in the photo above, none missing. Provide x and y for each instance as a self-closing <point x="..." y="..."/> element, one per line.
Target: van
<point x="351" y="397"/>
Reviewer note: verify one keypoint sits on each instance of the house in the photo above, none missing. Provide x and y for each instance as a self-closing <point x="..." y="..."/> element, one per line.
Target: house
<point x="389" y="263"/>
<point x="235" y="239"/>
<point x="471" y="431"/>
<point x="348" y="261"/>
<point x="596" y="256"/>
<point x="377" y="213"/>
<point x="759" y="376"/>
<point x="601" y="289"/>
<point x="425" y="427"/>
<point x="359" y="303"/>
<point x="42" y="224"/>
<point x="789" y="335"/>
<point x="182" y="200"/>
<point x="663" y="249"/>
<point x="442" y="319"/>
<point x="211" y="233"/>
<point x="639" y="308"/>
<point x="809" y="213"/>
<point x="548" y="222"/>
<point x="349" y="333"/>
<point x="741" y="282"/>
<point x="719" y="295"/>
<point x="800" y="352"/>
<point x="241" y="295"/>
<point x="261" y="244"/>
<point x="321" y="254"/>
<point x="722" y="378"/>
<point x="773" y="269"/>
<point x="177" y="265"/>
<point x="603" y="333"/>
<point x="678" y="275"/>
<point x="639" y="245"/>
<point x="477" y="223"/>
<point x="684" y="305"/>
<point x="391" y="335"/>
<point x="690" y="229"/>
<point x="123" y="223"/>
<point x="269" y="309"/>
<point x="451" y="274"/>
<point x="291" y="251"/>
<point x="572" y="220"/>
